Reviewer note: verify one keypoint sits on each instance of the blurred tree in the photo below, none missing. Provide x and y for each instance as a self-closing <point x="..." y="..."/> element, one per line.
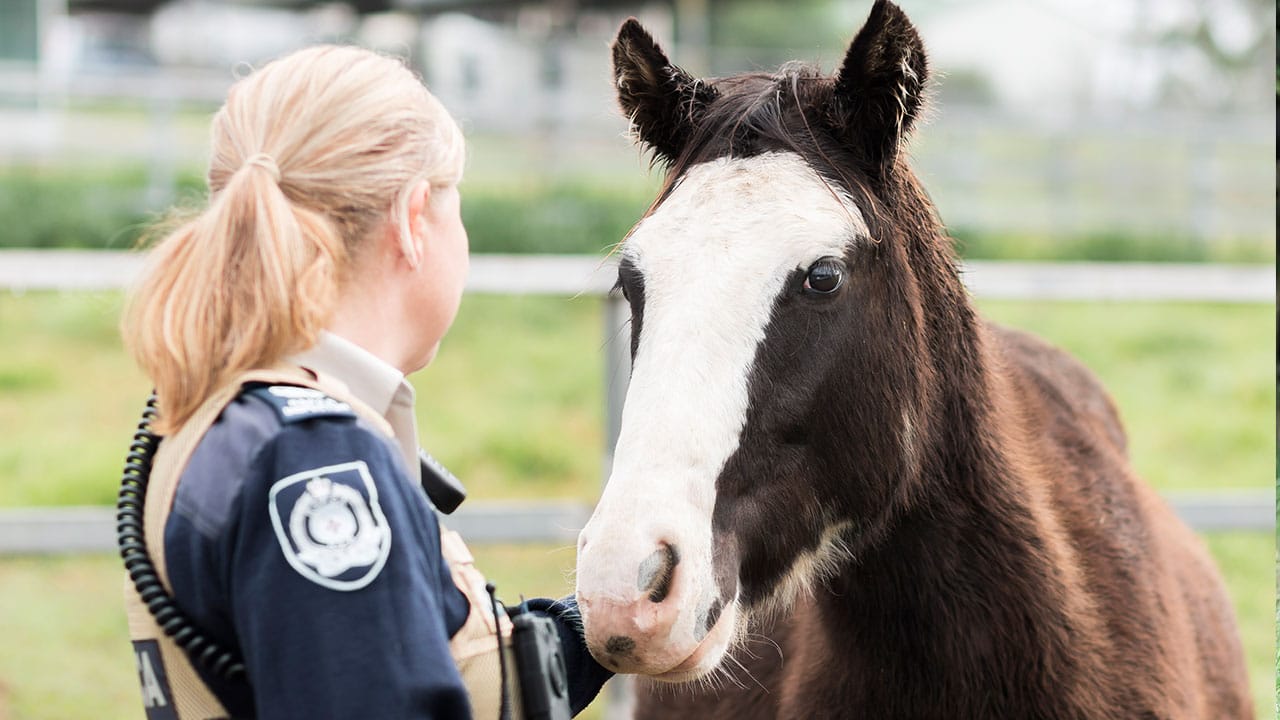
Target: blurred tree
<point x="18" y="36"/>
<point x="1220" y="50"/>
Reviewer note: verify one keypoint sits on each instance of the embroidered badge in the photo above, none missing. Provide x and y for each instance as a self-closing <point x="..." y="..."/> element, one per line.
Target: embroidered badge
<point x="157" y="697"/>
<point x="295" y="404"/>
<point x="330" y="526"/>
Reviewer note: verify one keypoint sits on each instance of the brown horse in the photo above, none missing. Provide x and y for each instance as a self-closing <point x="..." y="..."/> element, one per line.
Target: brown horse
<point x="838" y="492"/>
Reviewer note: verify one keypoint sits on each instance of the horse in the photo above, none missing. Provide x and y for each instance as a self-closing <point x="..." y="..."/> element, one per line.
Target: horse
<point x="838" y="492"/>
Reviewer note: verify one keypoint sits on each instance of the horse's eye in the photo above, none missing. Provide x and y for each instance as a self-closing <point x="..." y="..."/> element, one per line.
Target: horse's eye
<point x="824" y="277"/>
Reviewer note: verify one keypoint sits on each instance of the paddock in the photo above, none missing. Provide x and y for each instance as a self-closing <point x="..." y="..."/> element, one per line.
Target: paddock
<point x="73" y="537"/>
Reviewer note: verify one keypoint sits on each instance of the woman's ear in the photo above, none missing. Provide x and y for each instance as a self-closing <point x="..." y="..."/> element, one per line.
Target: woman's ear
<point x="412" y="240"/>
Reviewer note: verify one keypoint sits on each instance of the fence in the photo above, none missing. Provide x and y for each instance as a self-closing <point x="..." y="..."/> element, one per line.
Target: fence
<point x="46" y="530"/>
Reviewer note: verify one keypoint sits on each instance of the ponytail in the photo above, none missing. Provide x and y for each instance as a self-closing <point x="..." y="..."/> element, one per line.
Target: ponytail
<point x="250" y="281"/>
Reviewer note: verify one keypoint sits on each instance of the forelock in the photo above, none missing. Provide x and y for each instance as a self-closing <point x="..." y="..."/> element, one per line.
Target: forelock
<point x="782" y="111"/>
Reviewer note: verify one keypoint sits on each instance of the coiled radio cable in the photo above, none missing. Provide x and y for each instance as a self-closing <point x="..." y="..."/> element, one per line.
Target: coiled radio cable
<point x="131" y="537"/>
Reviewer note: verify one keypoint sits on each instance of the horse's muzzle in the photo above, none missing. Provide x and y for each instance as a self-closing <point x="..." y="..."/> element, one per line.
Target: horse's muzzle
<point x="643" y="611"/>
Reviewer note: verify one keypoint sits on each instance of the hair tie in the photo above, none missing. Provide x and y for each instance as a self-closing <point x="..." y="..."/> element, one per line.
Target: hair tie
<point x="266" y="162"/>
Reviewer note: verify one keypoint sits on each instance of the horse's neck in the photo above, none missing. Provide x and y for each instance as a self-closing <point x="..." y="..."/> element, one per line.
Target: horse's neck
<point x="972" y="515"/>
<point x="975" y="567"/>
<point x="978" y="512"/>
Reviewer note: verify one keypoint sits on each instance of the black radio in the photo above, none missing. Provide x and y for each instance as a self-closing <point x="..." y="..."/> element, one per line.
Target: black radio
<point x="544" y="682"/>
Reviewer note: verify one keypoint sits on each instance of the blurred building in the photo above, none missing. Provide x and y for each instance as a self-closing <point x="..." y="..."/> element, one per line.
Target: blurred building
<point x="482" y="57"/>
<point x="1050" y="116"/>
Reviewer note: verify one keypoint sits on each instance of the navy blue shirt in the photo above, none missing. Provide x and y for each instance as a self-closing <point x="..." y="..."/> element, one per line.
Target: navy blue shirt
<point x="297" y="540"/>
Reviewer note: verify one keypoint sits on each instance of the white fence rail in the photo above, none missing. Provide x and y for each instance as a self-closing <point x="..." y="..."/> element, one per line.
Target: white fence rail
<point x="47" y="531"/>
<point x="22" y="270"/>
<point x="57" y="530"/>
<point x="80" y="529"/>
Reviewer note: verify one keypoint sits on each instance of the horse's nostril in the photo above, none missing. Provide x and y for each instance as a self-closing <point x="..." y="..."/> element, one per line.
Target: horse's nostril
<point x="619" y="645"/>
<point x="713" y="615"/>
<point x="657" y="572"/>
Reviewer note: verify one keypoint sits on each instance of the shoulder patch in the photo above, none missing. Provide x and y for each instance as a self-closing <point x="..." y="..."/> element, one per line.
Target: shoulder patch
<point x="330" y="525"/>
<point x="157" y="697"/>
<point x="295" y="404"/>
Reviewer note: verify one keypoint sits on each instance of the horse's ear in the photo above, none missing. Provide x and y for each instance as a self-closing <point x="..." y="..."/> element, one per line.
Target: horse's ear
<point x="879" y="90"/>
<point x="662" y="101"/>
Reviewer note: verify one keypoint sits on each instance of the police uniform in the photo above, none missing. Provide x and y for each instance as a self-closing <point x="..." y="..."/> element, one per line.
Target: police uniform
<point x="298" y="535"/>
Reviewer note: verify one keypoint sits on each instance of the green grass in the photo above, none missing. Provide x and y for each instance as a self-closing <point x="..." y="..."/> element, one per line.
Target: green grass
<point x="49" y="207"/>
<point x="1247" y="564"/>
<point x="100" y="207"/>
<point x="519" y="197"/>
<point x="558" y="217"/>
<point x="976" y="243"/>
<point x="66" y="650"/>
<point x="70" y="398"/>
<point x="1193" y="383"/>
<point x="514" y="403"/>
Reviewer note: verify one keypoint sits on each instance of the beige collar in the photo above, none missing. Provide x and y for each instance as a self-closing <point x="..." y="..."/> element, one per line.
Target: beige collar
<point x="372" y="381"/>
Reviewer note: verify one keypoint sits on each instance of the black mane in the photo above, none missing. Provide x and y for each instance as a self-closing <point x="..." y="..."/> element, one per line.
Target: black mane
<point x="757" y="113"/>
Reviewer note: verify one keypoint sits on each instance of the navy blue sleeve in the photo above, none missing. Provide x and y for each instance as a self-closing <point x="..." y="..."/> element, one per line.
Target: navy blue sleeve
<point x="586" y="676"/>
<point x="338" y="588"/>
<point x="340" y="601"/>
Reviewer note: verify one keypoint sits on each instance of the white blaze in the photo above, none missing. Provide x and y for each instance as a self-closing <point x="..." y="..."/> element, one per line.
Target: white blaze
<point x="714" y="257"/>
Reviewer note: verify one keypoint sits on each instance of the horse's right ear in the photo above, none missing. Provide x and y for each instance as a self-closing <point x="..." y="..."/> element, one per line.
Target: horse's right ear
<point x="879" y="91"/>
<point x="662" y="101"/>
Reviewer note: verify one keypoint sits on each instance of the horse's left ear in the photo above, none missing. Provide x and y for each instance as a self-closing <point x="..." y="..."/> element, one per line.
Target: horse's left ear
<point x="879" y="90"/>
<point x="662" y="101"/>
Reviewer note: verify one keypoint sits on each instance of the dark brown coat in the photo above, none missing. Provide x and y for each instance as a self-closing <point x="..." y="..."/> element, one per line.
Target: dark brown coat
<point x="1004" y="560"/>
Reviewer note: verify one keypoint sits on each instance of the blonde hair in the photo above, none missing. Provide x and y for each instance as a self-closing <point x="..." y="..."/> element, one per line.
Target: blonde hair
<point x="311" y="154"/>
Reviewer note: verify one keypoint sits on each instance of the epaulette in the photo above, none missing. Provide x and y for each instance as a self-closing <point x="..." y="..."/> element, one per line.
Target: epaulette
<point x="296" y="404"/>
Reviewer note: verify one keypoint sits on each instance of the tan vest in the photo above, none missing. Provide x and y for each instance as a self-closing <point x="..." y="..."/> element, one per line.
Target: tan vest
<point x="474" y="646"/>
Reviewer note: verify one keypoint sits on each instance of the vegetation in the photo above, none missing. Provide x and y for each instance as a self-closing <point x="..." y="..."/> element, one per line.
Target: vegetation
<point x="1109" y="247"/>
<point x="66" y="649"/>
<point x="514" y="405"/>
<point x="528" y="213"/>
<point x="1193" y="382"/>
<point x="86" y="208"/>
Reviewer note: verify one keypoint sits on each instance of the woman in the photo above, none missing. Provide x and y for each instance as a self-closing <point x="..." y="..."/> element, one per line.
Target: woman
<point x="285" y="513"/>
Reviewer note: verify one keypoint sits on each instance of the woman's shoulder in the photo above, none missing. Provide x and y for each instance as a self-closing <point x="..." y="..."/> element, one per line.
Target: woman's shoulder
<point x="264" y="431"/>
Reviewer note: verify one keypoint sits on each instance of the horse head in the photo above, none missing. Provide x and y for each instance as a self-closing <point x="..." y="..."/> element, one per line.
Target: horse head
<point x="779" y="399"/>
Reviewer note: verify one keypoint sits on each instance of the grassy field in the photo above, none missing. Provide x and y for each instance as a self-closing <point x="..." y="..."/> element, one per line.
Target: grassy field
<point x="1193" y="383"/>
<point x="66" y="653"/>
<point x="514" y="405"/>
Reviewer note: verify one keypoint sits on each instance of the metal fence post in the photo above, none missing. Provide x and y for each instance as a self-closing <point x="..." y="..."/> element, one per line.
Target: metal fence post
<point x="617" y="372"/>
<point x="618" y="693"/>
